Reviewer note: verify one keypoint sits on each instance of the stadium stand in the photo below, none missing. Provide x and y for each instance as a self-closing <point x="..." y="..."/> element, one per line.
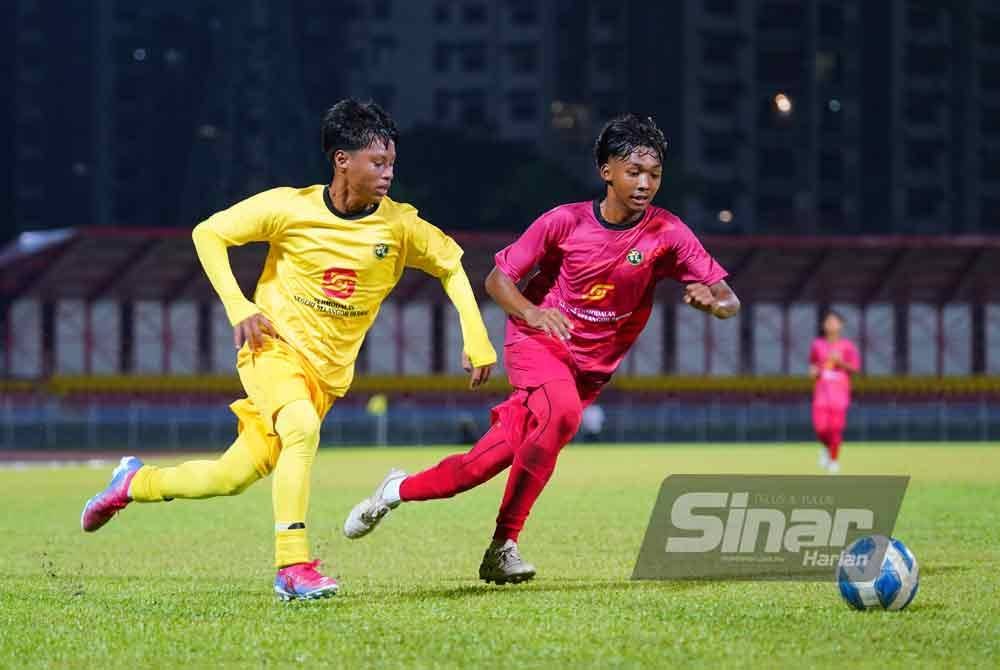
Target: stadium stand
<point x="109" y="317"/>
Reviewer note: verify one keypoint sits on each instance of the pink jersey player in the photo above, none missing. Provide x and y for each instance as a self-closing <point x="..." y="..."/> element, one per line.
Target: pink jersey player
<point x="588" y="272"/>
<point x="601" y="277"/>
<point x="832" y="361"/>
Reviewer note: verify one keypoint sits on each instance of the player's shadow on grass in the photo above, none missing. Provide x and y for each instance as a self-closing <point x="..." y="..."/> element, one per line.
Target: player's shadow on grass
<point x="548" y="586"/>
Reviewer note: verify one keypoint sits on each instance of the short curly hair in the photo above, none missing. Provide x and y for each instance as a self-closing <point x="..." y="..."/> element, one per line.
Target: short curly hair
<point x="351" y="125"/>
<point x="624" y="134"/>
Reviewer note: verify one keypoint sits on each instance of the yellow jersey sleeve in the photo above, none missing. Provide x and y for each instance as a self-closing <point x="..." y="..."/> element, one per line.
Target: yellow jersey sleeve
<point x="430" y="250"/>
<point x="256" y="219"/>
<point x="477" y="341"/>
<point x="259" y="218"/>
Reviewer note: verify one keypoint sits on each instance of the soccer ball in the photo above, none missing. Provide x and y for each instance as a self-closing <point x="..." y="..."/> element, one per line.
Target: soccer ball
<point x="890" y="585"/>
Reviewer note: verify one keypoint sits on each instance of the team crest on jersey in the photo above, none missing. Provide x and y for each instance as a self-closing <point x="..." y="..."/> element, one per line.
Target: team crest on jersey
<point x="381" y="250"/>
<point x="634" y="257"/>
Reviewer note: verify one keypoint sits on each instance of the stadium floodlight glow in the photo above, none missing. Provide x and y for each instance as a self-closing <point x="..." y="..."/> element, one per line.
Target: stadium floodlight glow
<point x="783" y="103"/>
<point x="726" y="216"/>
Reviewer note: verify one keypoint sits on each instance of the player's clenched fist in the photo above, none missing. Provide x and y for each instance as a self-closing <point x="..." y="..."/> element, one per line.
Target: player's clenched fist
<point x="549" y="320"/>
<point x="253" y="329"/>
<point x="700" y="297"/>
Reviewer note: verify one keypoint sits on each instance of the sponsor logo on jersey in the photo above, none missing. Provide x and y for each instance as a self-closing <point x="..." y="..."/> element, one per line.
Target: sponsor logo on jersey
<point x="634" y="257"/>
<point x="340" y="282"/>
<point x="381" y="250"/>
<point x="593" y="315"/>
<point x="598" y="291"/>
<point x="333" y="307"/>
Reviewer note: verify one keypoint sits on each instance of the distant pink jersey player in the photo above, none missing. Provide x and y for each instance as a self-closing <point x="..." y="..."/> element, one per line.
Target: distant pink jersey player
<point x="588" y="272"/>
<point x="832" y="361"/>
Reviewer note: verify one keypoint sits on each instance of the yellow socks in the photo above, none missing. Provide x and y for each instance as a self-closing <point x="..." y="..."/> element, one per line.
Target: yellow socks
<point x="297" y="424"/>
<point x="228" y="475"/>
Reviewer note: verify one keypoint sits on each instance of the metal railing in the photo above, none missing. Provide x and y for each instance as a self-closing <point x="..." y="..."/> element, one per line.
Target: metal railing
<point x="49" y="423"/>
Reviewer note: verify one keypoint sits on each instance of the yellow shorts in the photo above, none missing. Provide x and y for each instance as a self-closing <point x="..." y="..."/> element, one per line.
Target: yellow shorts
<point x="273" y="377"/>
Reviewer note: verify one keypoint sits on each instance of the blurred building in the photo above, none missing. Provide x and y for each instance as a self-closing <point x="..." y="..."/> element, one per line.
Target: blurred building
<point x="547" y="72"/>
<point x="932" y="132"/>
<point x="788" y="116"/>
<point x="52" y="114"/>
<point x="772" y="116"/>
<point x="842" y="116"/>
<point x="156" y="113"/>
<point x="480" y="66"/>
<point x="782" y="115"/>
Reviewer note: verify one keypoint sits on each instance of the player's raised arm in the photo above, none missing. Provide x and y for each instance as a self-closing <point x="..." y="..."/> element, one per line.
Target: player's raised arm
<point x="251" y="220"/>
<point x="430" y="250"/>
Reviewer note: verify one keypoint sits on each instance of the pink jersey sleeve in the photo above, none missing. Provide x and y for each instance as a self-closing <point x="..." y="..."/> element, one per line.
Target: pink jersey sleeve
<point x="519" y="258"/>
<point x="689" y="262"/>
<point x="851" y="357"/>
<point x="815" y="357"/>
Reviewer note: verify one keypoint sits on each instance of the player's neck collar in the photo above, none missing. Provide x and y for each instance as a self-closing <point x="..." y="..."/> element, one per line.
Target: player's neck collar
<point x="343" y="215"/>
<point x="615" y="226"/>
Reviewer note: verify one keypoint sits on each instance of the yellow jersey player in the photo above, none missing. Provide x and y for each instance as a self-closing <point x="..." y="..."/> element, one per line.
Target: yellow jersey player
<point x="336" y="251"/>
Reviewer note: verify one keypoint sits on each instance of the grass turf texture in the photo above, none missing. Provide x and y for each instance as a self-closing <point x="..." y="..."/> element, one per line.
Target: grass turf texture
<point x="188" y="584"/>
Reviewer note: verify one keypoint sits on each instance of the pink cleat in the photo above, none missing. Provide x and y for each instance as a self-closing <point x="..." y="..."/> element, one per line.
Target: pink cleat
<point x="303" y="581"/>
<point x="101" y="508"/>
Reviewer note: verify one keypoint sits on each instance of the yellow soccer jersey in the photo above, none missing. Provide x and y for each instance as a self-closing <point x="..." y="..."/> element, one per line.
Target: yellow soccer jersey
<point x="326" y="275"/>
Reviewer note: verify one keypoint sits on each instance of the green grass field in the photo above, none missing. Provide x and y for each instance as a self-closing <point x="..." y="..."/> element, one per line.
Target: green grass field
<point x="188" y="584"/>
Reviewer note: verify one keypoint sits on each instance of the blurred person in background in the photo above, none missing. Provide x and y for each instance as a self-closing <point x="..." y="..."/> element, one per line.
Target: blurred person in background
<point x="832" y="360"/>
<point x="592" y="423"/>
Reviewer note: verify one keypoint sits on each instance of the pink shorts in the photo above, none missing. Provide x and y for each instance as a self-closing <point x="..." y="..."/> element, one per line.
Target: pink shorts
<point x="532" y="362"/>
<point x="829" y="417"/>
<point x="538" y="359"/>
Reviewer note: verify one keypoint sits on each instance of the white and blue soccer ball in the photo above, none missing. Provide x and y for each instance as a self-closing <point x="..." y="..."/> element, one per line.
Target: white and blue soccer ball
<point x="890" y="585"/>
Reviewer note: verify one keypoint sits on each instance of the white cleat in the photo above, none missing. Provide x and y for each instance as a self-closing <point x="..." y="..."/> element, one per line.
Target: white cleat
<point x="824" y="459"/>
<point x="367" y="513"/>
<point x="833" y="468"/>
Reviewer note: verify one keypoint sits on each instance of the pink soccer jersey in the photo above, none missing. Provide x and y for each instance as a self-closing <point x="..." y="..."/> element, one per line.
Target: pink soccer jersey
<point x="601" y="275"/>
<point x="833" y="385"/>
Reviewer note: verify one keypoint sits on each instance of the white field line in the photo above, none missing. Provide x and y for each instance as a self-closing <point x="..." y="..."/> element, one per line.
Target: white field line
<point x="93" y="463"/>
